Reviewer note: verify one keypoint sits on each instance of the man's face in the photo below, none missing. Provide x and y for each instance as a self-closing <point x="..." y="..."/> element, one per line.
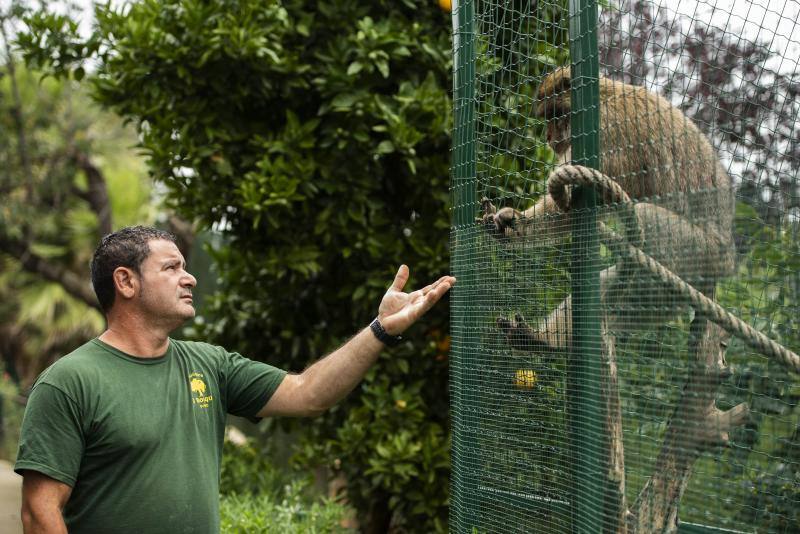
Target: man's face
<point x="166" y="292"/>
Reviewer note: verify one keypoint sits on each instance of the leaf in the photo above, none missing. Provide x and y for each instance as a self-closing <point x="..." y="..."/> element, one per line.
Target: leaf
<point x="354" y="68"/>
<point x="344" y="101"/>
<point x="402" y="364"/>
<point x="383" y="68"/>
<point x="385" y="147"/>
<point x="47" y="250"/>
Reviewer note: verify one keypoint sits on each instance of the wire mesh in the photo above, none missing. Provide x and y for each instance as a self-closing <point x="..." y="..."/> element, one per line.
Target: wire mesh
<point x="694" y="429"/>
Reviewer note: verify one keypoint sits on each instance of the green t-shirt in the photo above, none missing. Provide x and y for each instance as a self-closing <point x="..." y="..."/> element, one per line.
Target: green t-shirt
<point x="140" y="439"/>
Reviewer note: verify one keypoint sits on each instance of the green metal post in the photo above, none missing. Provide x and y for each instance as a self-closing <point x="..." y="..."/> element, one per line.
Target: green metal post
<point x="464" y="179"/>
<point x="583" y="376"/>
<point x="465" y="475"/>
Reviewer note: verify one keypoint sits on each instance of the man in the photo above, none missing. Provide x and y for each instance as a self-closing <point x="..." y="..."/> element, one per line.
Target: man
<point x="125" y="433"/>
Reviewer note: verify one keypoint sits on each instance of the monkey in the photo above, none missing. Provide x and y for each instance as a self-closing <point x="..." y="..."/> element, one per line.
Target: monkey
<point x="683" y="203"/>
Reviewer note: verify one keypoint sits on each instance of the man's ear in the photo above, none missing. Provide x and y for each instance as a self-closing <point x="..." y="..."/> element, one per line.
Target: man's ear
<point x="126" y="282"/>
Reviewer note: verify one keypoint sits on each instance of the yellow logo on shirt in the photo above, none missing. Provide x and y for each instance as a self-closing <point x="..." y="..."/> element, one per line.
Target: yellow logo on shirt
<point x="199" y="389"/>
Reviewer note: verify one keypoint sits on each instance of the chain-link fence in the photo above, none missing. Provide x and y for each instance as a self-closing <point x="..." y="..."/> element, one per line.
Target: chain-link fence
<point x="626" y="224"/>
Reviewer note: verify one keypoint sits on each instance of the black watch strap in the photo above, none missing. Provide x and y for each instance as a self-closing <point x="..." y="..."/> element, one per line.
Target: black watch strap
<point x="383" y="337"/>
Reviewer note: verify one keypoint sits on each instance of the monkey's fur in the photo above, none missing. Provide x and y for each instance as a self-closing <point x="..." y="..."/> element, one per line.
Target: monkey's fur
<point x="684" y="203"/>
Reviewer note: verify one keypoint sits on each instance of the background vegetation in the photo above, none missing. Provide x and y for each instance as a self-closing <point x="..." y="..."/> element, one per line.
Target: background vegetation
<point x="68" y="174"/>
<point x="259" y="496"/>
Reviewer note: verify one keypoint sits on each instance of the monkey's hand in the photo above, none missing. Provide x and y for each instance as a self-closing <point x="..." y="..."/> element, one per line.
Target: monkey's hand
<point x="519" y="335"/>
<point x="498" y="223"/>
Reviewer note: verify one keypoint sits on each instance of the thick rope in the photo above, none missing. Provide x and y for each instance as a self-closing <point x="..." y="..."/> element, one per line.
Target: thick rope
<point x="563" y="177"/>
<point x="566" y="175"/>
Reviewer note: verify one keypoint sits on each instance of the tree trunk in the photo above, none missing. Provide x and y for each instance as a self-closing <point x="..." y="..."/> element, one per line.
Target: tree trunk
<point x="615" y="508"/>
<point x="379" y="518"/>
<point x="696" y="426"/>
<point x="97" y="192"/>
<point x="184" y="232"/>
<point x="74" y="285"/>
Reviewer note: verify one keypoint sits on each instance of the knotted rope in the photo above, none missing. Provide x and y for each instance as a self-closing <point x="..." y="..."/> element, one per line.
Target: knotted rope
<point x="558" y="186"/>
<point x="560" y="180"/>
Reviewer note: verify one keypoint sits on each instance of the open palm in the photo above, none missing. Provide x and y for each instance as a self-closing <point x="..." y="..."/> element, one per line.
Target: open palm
<point x="399" y="310"/>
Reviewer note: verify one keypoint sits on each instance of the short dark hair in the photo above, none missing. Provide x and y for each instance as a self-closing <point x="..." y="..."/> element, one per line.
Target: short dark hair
<point x="127" y="247"/>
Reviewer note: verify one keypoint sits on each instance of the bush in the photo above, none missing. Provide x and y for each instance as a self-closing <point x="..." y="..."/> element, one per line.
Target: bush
<point x="248" y="470"/>
<point x="259" y="496"/>
<point x="246" y="514"/>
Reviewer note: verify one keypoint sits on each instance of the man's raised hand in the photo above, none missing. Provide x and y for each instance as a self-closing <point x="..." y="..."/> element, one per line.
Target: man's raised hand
<point x="399" y="310"/>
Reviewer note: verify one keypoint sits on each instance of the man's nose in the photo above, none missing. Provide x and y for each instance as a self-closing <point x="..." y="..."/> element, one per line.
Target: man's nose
<point x="189" y="280"/>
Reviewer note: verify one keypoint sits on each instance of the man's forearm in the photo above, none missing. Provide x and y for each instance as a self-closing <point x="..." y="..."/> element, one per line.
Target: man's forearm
<point x="43" y="521"/>
<point x="329" y="380"/>
<point x="333" y="377"/>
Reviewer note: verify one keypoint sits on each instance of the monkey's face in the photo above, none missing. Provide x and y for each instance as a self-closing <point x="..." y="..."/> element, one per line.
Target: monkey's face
<point x="558" y="137"/>
<point x="554" y="107"/>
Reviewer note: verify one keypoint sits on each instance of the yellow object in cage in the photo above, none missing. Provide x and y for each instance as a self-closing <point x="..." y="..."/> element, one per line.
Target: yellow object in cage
<point x="446" y="5"/>
<point x="525" y="378"/>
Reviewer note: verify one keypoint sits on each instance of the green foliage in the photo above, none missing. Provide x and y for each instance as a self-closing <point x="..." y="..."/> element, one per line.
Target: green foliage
<point x="317" y="139"/>
<point x="258" y="496"/>
<point x="66" y="172"/>
<point x="775" y="492"/>
<point x="405" y="452"/>
<point x="246" y="514"/>
<point x="539" y="34"/>
<point x="11" y="411"/>
<point x="248" y="469"/>
<point x="767" y="296"/>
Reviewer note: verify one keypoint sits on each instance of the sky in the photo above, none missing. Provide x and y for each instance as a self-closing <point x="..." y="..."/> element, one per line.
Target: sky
<point x="771" y="21"/>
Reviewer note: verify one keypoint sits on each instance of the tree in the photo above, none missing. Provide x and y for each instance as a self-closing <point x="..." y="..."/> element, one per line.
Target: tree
<point x="67" y="171"/>
<point x="318" y="143"/>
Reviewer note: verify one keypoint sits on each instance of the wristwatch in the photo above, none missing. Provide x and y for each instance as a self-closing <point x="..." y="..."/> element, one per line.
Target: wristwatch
<point x="387" y="339"/>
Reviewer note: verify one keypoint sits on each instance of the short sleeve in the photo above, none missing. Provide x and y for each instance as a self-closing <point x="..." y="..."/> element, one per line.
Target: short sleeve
<point x="52" y="438"/>
<point x="249" y="384"/>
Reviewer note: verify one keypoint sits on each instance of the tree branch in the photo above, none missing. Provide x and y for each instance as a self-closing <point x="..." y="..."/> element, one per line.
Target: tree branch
<point x="72" y="283"/>
<point x="696" y="426"/>
<point x="615" y="507"/>
<point x="97" y="193"/>
<point x="185" y="233"/>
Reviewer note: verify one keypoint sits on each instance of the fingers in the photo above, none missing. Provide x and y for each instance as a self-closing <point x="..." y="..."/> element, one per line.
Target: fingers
<point x="429" y="300"/>
<point x="487" y="206"/>
<point x="400" y="278"/>
<point x="440" y="287"/>
<point x="423" y="299"/>
<point x="400" y="310"/>
<point x="444" y="283"/>
<point x="433" y="292"/>
<point x="437" y="290"/>
<point x="425" y="290"/>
